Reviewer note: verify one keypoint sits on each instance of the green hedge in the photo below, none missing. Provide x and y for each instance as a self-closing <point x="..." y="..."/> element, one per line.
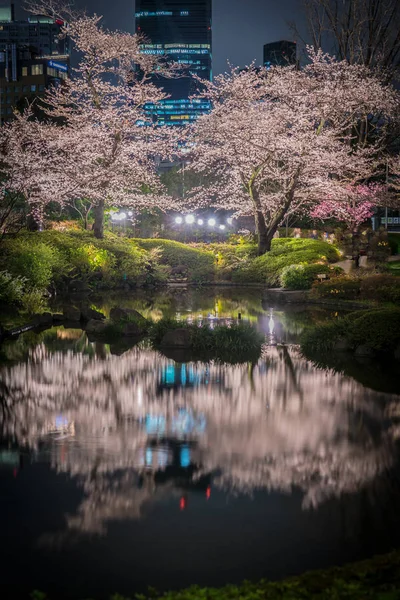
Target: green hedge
<point x="301" y="277"/>
<point x="284" y="253"/>
<point x="197" y="264"/>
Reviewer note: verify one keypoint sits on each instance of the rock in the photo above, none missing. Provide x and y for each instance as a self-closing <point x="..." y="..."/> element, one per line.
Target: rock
<point x="364" y="351"/>
<point x="342" y="345"/>
<point x="176" y="338"/>
<point x="45" y="318"/>
<point x="96" y="326"/>
<point x="125" y="314"/>
<point x="71" y="313"/>
<point x="131" y="328"/>
<point x="89" y="313"/>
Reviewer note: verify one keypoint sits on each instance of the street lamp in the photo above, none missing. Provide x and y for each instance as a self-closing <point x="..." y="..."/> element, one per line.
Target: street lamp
<point x="178" y="220"/>
<point x="189" y="219"/>
<point x="222" y="227"/>
<point x="212" y="222"/>
<point x="200" y="222"/>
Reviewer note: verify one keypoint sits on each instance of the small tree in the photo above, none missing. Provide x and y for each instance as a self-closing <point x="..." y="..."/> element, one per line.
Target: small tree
<point x="277" y="141"/>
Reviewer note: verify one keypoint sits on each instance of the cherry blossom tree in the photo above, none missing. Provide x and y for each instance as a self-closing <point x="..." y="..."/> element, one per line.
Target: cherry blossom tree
<point x="107" y="150"/>
<point x="277" y="142"/>
<point x="359" y="207"/>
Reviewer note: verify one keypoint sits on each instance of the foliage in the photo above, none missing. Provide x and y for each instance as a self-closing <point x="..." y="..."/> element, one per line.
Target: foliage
<point x="344" y="288"/>
<point x="29" y="257"/>
<point x="11" y="287"/>
<point x="378" y="329"/>
<point x="285" y="252"/>
<point x="302" y="276"/>
<point x="280" y="139"/>
<point x="380" y="288"/>
<point x="374" y="579"/>
<point x="394" y="242"/>
<point x="33" y="301"/>
<point x="195" y="263"/>
<point x="233" y="344"/>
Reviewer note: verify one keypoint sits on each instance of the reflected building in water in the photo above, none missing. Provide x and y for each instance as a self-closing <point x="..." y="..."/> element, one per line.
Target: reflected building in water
<point x="139" y="428"/>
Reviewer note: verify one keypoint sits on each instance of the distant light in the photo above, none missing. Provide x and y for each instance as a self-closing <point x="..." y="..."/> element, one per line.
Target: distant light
<point x="189" y="219"/>
<point x="178" y="220"/>
<point x="229" y="221"/>
<point x="208" y="492"/>
<point x="122" y="216"/>
<point x="200" y="222"/>
<point x="212" y="222"/>
<point x="222" y="227"/>
<point x="182" y="503"/>
<point x="130" y="213"/>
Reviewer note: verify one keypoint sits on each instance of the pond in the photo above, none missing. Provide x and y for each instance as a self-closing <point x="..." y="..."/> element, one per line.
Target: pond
<point x="122" y="469"/>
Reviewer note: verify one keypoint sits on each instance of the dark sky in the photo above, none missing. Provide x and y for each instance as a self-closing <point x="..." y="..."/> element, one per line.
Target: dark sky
<point x="240" y="27"/>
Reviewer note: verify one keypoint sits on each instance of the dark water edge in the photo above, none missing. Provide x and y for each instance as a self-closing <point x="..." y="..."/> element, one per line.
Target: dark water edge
<point x="120" y="472"/>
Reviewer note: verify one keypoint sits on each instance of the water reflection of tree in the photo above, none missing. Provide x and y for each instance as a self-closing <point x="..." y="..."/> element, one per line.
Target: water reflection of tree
<point x="279" y="425"/>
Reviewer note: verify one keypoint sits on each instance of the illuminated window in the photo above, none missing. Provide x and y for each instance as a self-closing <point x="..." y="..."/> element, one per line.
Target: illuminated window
<point x="24" y="71"/>
<point x="184" y="13"/>
<point x="37" y="69"/>
<point x="33" y="88"/>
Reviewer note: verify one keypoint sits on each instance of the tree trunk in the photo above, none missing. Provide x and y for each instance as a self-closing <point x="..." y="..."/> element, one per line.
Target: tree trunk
<point x="262" y="233"/>
<point x="98" y="227"/>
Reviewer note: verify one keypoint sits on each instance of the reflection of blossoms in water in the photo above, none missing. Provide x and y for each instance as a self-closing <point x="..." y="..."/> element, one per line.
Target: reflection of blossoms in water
<point x="138" y="427"/>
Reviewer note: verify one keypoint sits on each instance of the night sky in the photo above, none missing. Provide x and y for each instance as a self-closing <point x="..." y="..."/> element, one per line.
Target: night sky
<point x="240" y="27"/>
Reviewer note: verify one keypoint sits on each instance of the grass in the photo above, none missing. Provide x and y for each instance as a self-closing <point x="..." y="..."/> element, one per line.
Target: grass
<point x="374" y="579"/>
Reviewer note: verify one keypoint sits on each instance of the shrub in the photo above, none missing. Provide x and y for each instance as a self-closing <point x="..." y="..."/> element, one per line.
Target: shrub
<point x="33" y="301"/>
<point x="35" y="260"/>
<point x="301" y="277"/>
<point x="384" y="288"/>
<point x="198" y="263"/>
<point x="379" y="329"/>
<point x="343" y="288"/>
<point x="89" y="259"/>
<point x="11" y="287"/>
<point x="285" y="252"/>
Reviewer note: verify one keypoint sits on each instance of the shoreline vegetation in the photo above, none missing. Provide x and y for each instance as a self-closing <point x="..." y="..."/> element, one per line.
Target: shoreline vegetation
<point x="39" y="266"/>
<point x="377" y="578"/>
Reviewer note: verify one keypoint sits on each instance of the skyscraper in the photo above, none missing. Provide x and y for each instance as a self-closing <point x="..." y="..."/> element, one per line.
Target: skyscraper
<point x="282" y="53"/>
<point x="179" y="30"/>
<point x="32" y="56"/>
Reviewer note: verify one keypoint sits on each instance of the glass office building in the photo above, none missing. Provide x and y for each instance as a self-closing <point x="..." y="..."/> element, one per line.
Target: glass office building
<point x="282" y="54"/>
<point x="179" y="31"/>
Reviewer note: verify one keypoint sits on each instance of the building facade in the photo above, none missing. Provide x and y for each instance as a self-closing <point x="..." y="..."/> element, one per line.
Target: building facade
<point x="282" y="54"/>
<point x="32" y="57"/>
<point x="179" y="31"/>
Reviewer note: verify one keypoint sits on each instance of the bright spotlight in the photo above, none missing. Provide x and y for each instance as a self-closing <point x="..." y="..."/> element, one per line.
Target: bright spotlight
<point x="212" y="222"/>
<point x="130" y="213"/>
<point x="222" y="227"/>
<point x="189" y="219"/>
<point x="178" y="220"/>
<point x="200" y="222"/>
<point x="122" y="216"/>
<point x="229" y="221"/>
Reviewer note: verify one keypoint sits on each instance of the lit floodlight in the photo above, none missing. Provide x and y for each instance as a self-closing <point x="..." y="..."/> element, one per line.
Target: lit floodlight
<point x="114" y="217"/>
<point x="189" y="219"/>
<point x="200" y="222"/>
<point x="122" y="216"/>
<point x="222" y="227"/>
<point x="212" y="222"/>
<point x="229" y="221"/>
<point x="130" y="213"/>
<point x="178" y="220"/>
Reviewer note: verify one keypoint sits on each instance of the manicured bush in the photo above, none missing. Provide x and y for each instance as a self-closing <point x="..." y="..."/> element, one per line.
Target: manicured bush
<point x="384" y="288"/>
<point x="379" y="288"/>
<point x="301" y="277"/>
<point x="394" y="242"/>
<point x="196" y="263"/>
<point x="285" y="252"/>
<point x="343" y="288"/>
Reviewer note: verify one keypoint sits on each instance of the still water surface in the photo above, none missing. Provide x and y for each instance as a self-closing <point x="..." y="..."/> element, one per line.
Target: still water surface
<point x="121" y="468"/>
